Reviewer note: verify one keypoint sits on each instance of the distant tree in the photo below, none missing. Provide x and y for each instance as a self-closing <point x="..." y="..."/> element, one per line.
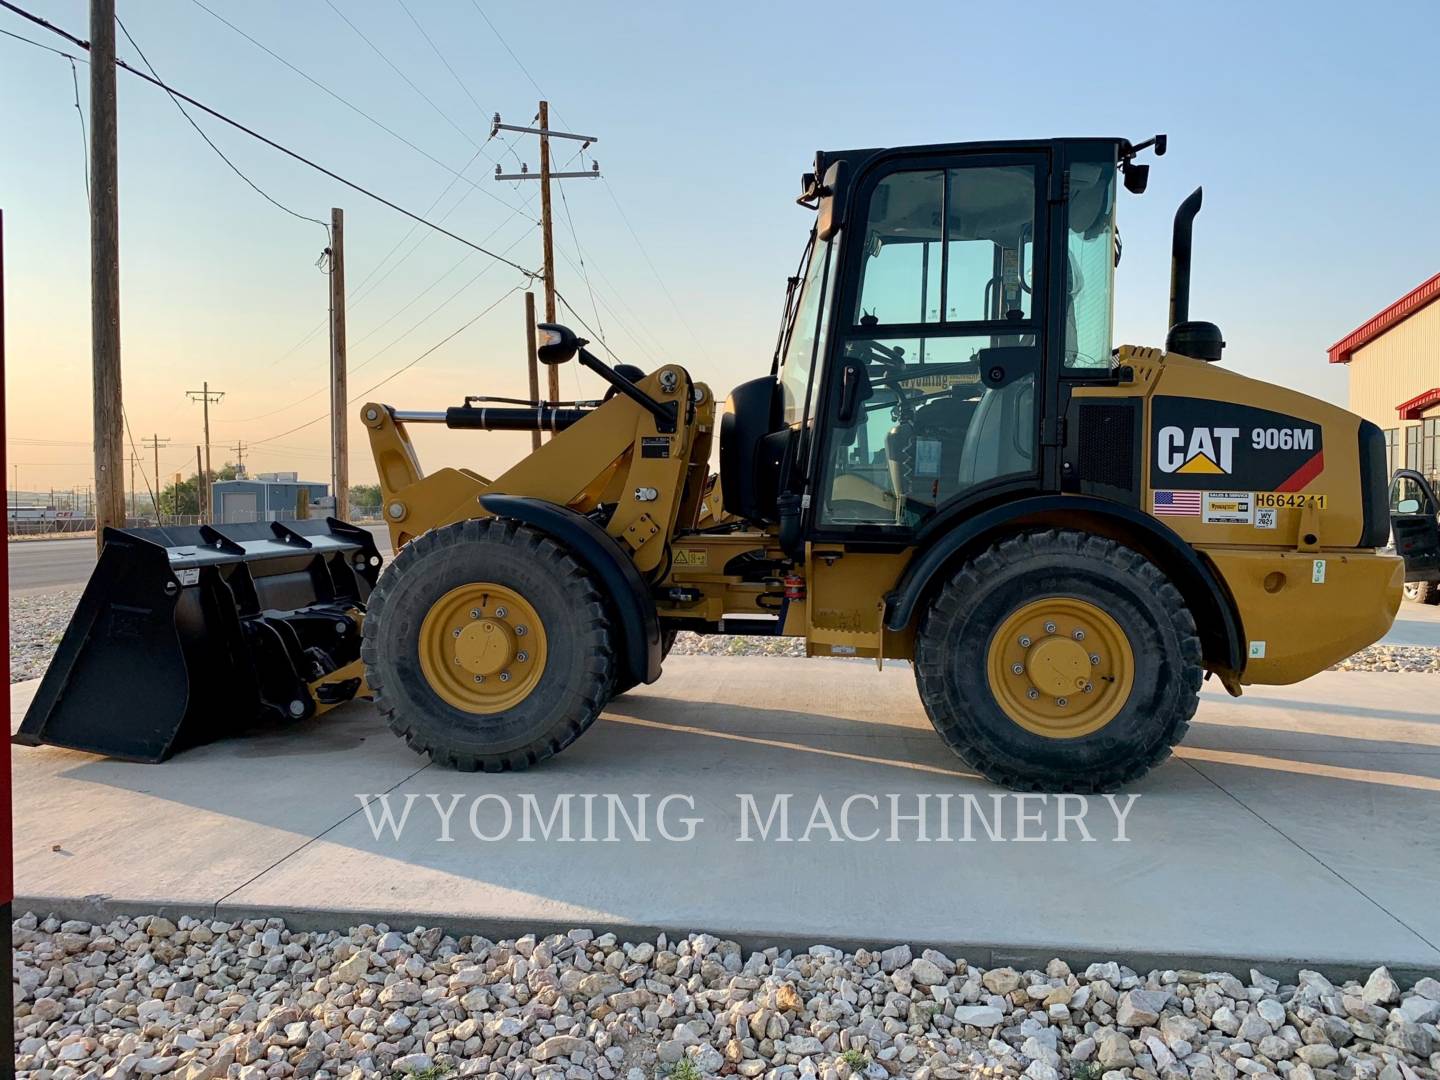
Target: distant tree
<point x="184" y="498"/>
<point x="365" y="496"/>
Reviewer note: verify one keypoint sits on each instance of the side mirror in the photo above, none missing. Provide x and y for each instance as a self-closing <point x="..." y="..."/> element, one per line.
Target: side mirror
<point x="1408" y="506"/>
<point x="555" y="344"/>
<point x="833" y="192"/>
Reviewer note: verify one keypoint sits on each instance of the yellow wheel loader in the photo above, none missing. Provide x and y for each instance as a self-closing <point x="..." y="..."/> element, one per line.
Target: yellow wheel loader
<point x="948" y="463"/>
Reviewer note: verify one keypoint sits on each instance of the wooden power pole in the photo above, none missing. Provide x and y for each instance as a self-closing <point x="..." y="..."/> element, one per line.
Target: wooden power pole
<point x="155" y="442"/>
<point x="547" y="231"/>
<point x="339" y="434"/>
<point x="199" y="487"/>
<point x="532" y="361"/>
<point x="109" y="426"/>
<point x="205" y="395"/>
<point x="546" y="225"/>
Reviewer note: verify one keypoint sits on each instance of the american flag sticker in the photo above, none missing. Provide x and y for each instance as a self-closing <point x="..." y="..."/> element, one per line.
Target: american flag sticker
<point x="1177" y="504"/>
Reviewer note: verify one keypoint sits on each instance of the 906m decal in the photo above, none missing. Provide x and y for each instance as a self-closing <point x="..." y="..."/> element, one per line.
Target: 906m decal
<point x="1195" y="442"/>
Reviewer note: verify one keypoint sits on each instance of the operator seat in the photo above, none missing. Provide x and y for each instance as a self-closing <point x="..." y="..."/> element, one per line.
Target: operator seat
<point x="1001" y="437"/>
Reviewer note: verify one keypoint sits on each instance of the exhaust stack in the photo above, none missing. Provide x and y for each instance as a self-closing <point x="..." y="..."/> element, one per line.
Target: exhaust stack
<point x="1197" y="340"/>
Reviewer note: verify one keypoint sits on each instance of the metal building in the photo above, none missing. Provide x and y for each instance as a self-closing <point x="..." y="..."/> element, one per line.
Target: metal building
<point x="1394" y="365"/>
<point x="268" y="497"/>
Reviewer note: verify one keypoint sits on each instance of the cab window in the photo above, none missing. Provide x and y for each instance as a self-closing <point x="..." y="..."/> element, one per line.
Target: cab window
<point x="805" y="338"/>
<point x="944" y="300"/>
<point x="1090" y="263"/>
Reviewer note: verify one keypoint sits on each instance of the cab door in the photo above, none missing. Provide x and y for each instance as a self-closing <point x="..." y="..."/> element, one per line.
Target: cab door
<point x="1415" y="525"/>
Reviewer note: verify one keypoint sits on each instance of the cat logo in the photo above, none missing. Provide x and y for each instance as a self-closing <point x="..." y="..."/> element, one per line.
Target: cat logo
<point x="1205" y="451"/>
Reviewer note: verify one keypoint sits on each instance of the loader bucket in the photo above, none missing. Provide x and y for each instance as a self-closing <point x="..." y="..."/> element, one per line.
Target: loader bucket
<point x="189" y="633"/>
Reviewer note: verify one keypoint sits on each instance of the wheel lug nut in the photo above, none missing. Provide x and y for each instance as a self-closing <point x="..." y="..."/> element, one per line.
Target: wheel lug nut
<point x="1079" y="635"/>
<point x="1049" y="628"/>
<point x="474" y="612"/>
<point x="479" y="678"/>
<point x="1062" y="702"/>
<point x="455" y="633"/>
<point x="519" y="631"/>
<point x="522" y="656"/>
<point x="1032" y="693"/>
<point x="500" y="613"/>
<point x="1094" y="659"/>
<point x="1088" y="688"/>
<point x="1017" y="669"/>
<point x="1024" y="641"/>
<point x="504" y="676"/>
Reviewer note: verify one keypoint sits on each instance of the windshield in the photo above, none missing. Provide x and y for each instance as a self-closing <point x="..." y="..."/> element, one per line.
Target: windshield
<point x="798" y="358"/>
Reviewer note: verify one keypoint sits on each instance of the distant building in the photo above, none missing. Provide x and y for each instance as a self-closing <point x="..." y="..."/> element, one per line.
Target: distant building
<point x="267" y="497"/>
<point x="1394" y="363"/>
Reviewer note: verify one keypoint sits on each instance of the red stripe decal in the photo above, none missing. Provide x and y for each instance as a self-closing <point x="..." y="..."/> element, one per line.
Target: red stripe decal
<point x="1303" y="475"/>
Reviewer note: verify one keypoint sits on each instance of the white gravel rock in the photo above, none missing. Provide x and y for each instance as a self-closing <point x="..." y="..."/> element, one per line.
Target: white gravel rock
<point x="253" y="1000"/>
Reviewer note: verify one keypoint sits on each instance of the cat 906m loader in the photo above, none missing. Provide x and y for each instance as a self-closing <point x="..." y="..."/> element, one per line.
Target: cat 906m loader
<point x="947" y="463"/>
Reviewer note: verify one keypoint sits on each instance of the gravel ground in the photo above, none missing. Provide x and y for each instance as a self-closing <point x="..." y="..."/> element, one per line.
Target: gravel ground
<point x="37" y="620"/>
<point x="204" y="1000"/>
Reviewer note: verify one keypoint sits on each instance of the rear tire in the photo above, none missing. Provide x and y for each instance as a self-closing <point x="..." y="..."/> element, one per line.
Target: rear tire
<point x="983" y="693"/>
<point x="408" y="631"/>
<point x="1422" y="592"/>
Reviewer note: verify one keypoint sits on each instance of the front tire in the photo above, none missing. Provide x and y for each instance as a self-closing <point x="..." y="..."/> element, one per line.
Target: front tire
<point x="487" y="646"/>
<point x="1059" y="661"/>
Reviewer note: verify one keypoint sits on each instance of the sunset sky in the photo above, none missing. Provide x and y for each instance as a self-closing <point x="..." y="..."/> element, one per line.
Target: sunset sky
<point x="1310" y="126"/>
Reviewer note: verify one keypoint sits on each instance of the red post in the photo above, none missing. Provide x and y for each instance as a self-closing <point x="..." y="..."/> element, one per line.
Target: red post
<point x="7" y="852"/>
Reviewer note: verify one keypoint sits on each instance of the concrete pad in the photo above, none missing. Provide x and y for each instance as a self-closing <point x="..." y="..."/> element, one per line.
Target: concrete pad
<point x="1415" y="624"/>
<point x="1285" y="831"/>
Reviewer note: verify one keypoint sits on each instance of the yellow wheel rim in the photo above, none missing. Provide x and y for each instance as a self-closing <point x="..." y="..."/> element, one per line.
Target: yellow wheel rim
<point x="482" y="647"/>
<point x="1060" y="667"/>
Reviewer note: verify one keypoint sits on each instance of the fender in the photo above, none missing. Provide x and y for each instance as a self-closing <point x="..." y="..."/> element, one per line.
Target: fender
<point x="626" y="594"/>
<point x="1207" y="598"/>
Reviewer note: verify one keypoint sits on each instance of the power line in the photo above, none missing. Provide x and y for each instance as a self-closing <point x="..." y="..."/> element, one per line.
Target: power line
<point x="47" y="48"/>
<point x="342" y="100"/>
<point x="84" y="135"/>
<point x="580" y="253"/>
<point x="408" y="81"/>
<point x="436" y="50"/>
<point x="406" y="367"/>
<point x="273" y="144"/>
<point x="648" y="262"/>
<point x="380" y="352"/>
<point x="210" y="143"/>
<point x="521" y="66"/>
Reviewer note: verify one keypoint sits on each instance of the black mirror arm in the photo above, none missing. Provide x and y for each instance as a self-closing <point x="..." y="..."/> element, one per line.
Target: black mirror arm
<point x="665" y="412"/>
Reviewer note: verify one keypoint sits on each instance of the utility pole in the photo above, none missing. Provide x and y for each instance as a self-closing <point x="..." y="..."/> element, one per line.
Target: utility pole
<point x="546" y="224"/>
<point x="199" y="486"/>
<point x="339" y="407"/>
<point x="532" y="361"/>
<point x="134" y="458"/>
<point x="155" y="442"/>
<point x="105" y="274"/>
<point x="239" y="449"/>
<point x="205" y="396"/>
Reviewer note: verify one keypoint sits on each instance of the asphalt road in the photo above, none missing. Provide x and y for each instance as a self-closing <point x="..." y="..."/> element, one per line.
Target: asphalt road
<point x="57" y="564"/>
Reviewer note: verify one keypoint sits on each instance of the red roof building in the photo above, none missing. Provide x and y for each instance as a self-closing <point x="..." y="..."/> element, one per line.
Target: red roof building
<point x="1394" y="366"/>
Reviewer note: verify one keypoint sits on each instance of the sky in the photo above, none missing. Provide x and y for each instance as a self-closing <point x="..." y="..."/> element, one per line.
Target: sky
<point x="1310" y="126"/>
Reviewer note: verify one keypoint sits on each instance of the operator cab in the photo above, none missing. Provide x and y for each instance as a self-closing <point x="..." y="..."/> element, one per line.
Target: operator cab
<point x="945" y="296"/>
